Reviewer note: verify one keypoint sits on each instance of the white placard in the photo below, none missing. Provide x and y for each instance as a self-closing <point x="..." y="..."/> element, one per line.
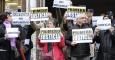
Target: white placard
<point x="20" y="18"/>
<point x="104" y="24"/>
<point x="12" y="32"/>
<point x="95" y="18"/>
<point x="62" y="3"/>
<point x="39" y="17"/>
<point x="50" y="35"/>
<point x="26" y="41"/>
<point x="82" y="35"/>
<point x="39" y="14"/>
<point x="73" y="11"/>
<point x="71" y="15"/>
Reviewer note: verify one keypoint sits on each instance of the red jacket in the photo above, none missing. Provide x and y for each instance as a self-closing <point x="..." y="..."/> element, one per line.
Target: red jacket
<point x="56" y="49"/>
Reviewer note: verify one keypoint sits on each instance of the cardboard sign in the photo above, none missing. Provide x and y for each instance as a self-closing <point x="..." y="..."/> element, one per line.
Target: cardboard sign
<point x="73" y="11"/>
<point x="62" y="3"/>
<point x="50" y="35"/>
<point x="82" y="35"/>
<point x="39" y="14"/>
<point x="39" y="9"/>
<point x="26" y="41"/>
<point x="104" y="24"/>
<point x="95" y="18"/>
<point x="12" y="32"/>
<point x="20" y="18"/>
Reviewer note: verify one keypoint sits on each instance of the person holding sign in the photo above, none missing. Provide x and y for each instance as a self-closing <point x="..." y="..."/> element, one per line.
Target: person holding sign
<point x="28" y="44"/>
<point x="79" y="51"/>
<point x="105" y="38"/>
<point x="8" y="44"/>
<point x="52" y="50"/>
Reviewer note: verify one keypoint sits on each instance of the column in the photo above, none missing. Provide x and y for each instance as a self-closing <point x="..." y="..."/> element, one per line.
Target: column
<point x="2" y="5"/>
<point x="24" y="5"/>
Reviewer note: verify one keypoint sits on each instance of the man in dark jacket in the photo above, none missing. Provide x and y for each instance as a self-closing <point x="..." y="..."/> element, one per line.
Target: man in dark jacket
<point x="79" y="51"/>
<point x="105" y="38"/>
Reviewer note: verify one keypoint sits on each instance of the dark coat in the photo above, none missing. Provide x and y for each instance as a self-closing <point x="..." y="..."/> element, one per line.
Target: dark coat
<point x="28" y="31"/>
<point x="112" y="52"/>
<point x="81" y="49"/>
<point x="105" y="39"/>
<point x="5" y="44"/>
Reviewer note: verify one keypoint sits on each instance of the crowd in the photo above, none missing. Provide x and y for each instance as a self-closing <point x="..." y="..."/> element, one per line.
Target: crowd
<point x="66" y="49"/>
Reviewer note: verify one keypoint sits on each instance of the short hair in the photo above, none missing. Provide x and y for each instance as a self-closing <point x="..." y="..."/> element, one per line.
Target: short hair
<point x="90" y="10"/>
<point x="3" y="16"/>
<point x="53" y="21"/>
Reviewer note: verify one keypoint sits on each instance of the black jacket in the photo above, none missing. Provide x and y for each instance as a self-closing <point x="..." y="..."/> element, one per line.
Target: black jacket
<point x="28" y="31"/>
<point x="105" y="39"/>
<point x="81" y="49"/>
<point x="5" y="43"/>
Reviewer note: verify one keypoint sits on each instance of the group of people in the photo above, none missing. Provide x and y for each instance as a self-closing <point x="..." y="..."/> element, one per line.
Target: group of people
<point x="14" y="48"/>
<point x="66" y="49"/>
<point x="83" y="51"/>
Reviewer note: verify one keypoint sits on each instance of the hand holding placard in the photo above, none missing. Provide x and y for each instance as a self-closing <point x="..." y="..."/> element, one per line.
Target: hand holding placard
<point x="104" y="24"/>
<point x="12" y="32"/>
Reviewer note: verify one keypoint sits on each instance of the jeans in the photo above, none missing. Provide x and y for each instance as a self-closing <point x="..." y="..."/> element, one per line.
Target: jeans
<point x="28" y="54"/>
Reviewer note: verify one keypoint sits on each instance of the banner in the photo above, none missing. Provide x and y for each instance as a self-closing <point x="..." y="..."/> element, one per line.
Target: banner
<point x="104" y="24"/>
<point x="39" y="14"/>
<point x="50" y="35"/>
<point x="20" y="18"/>
<point x="62" y="3"/>
<point x="95" y="18"/>
<point x="12" y="32"/>
<point x="73" y="11"/>
<point x="82" y="35"/>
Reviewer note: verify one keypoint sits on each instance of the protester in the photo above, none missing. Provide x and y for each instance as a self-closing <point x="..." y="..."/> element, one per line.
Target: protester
<point x="79" y="51"/>
<point x="54" y="50"/>
<point x="8" y="46"/>
<point x="89" y="14"/>
<point x="28" y="44"/>
<point x="67" y="26"/>
<point x="105" y="38"/>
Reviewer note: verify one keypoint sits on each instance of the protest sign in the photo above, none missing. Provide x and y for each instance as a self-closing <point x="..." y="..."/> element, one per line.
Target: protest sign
<point x="12" y="32"/>
<point x="82" y="35"/>
<point x="39" y="9"/>
<point x="73" y="11"/>
<point x="50" y="34"/>
<point x="62" y="3"/>
<point x="39" y="14"/>
<point x="104" y="24"/>
<point x="95" y="18"/>
<point x="20" y="18"/>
